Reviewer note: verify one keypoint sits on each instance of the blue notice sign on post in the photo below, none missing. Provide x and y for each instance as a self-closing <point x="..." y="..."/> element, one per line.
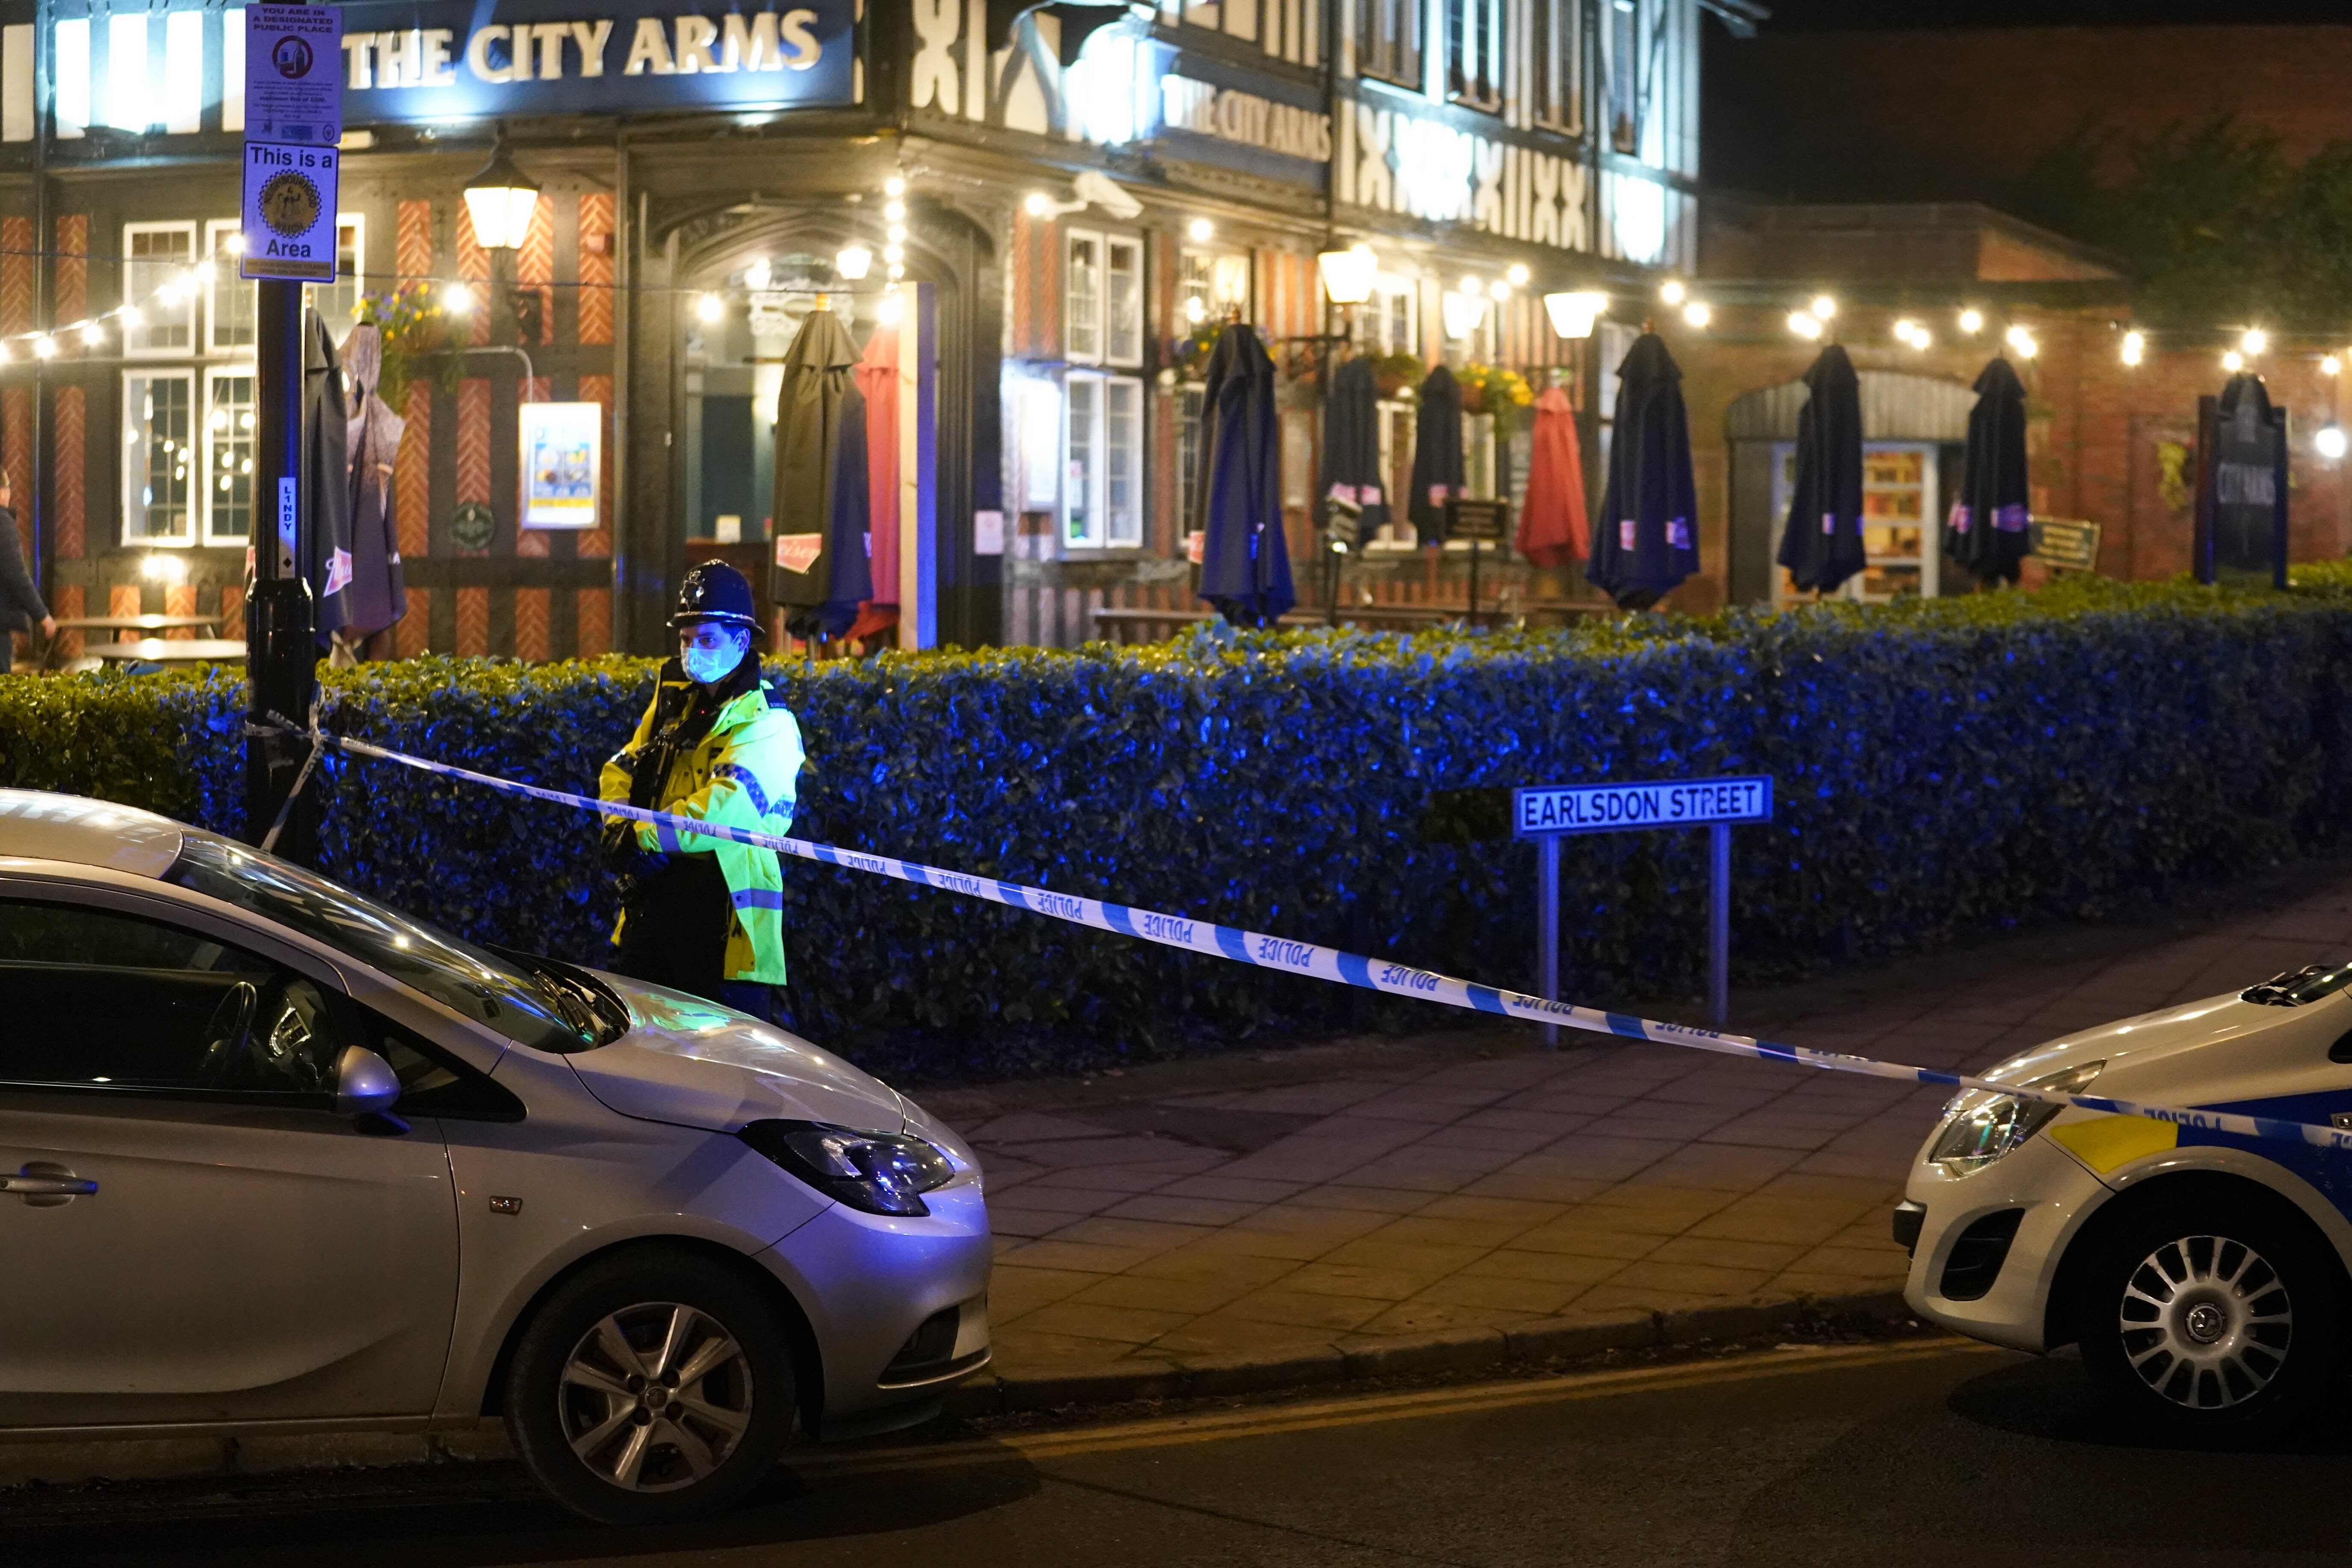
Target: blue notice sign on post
<point x="1617" y="808"/>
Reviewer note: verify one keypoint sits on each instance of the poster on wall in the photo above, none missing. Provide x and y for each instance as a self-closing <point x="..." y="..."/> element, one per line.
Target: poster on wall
<point x="562" y="460"/>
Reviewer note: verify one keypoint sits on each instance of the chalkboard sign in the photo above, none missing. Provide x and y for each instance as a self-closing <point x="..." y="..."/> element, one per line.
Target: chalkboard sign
<point x="1488" y="519"/>
<point x="2070" y="543"/>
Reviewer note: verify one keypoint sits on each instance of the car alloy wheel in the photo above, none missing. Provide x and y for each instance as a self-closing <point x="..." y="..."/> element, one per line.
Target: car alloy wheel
<point x="2206" y="1321"/>
<point x="653" y="1386"/>
<point x="656" y="1396"/>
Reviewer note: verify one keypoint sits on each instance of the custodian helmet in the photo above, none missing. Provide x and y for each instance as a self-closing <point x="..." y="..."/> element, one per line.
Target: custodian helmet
<point x="715" y="591"/>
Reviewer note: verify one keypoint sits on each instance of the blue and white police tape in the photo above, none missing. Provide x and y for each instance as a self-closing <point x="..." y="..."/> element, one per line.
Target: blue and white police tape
<point x="1352" y="969"/>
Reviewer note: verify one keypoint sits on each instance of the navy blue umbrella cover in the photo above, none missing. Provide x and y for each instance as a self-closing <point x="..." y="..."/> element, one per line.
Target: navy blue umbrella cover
<point x="1645" y="540"/>
<point x="1822" y="546"/>
<point x="1244" y="559"/>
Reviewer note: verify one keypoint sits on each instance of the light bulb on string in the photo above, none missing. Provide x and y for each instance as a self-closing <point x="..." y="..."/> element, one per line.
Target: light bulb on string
<point x="709" y="307"/>
<point x="1518" y="274"/>
<point x="2233" y="362"/>
<point x="1499" y="289"/>
<point x="2022" y="341"/>
<point x="45" y="347"/>
<point x="888" y="310"/>
<point x="1472" y="286"/>
<point x="132" y="316"/>
<point x="1804" y="325"/>
<point x="1906" y="330"/>
<point x="894" y="254"/>
<point x="205" y="272"/>
<point x="2328" y="439"/>
<point x="896" y="234"/>
<point x="93" y="332"/>
<point x="1698" y="314"/>
<point x="1922" y="339"/>
<point x="1671" y="291"/>
<point x="894" y="211"/>
<point x="2134" y="347"/>
<point x="2254" y="343"/>
<point x="893" y="186"/>
<point x="458" y="299"/>
<point x="1971" y="321"/>
<point x="1823" y="307"/>
<point x="1200" y="230"/>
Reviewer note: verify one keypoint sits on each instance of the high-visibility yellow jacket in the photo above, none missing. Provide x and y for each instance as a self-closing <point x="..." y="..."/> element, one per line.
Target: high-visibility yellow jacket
<point x="744" y="773"/>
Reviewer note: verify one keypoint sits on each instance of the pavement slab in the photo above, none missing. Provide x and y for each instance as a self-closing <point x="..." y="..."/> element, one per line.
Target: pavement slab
<point x="1284" y="1215"/>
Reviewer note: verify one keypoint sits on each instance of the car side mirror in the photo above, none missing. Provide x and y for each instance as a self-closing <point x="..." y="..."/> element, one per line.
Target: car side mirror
<point x="365" y="1084"/>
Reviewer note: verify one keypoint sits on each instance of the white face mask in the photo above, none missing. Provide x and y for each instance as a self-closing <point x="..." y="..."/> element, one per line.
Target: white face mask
<point x="711" y="666"/>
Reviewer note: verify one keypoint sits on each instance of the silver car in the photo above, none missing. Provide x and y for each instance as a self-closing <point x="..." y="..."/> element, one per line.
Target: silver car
<point x="277" y="1159"/>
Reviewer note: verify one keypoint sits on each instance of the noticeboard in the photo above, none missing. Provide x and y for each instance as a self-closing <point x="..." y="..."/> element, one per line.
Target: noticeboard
<point x="1482" y="519"/>
<point x="562" y="448"/>
<point x="2068" y="543"/>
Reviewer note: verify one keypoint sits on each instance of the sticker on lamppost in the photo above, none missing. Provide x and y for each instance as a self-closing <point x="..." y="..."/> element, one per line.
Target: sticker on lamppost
<point x="294" y="78"/>
<point x="289" y="212"/>
<point x="293" y="119"/>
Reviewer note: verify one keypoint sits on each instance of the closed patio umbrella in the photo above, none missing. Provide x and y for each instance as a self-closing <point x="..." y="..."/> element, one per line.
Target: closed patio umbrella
<point x="1437" y="459"/>
<point x="1351" y="444"/>
<point x="1648" y="539"/>
<point x="378" y="596"/>
<point x="820" y="416"/>
<point x="326" y="479"/>
<point x="1553" y="529"/>
<point x="1822" y="546"/>
<point x="1987" y="532"/>
<point x="1244" y="559"/>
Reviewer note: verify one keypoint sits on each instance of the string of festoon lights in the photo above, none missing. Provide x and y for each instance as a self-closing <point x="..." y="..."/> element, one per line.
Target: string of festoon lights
<point x="852" y="263"/>
<point x="179" y="285"/>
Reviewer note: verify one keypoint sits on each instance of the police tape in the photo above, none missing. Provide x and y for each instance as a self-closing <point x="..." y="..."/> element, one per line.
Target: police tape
<point x="1326" y="963"/>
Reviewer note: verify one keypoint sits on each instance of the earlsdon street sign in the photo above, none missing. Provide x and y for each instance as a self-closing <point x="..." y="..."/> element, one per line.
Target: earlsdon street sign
<point x="1615" y="808"/>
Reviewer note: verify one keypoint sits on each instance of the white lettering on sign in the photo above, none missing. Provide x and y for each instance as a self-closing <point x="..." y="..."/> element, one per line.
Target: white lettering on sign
<point x="1610" y="808"/>
<point x="292" y="89"/>
<point x="289" y="508"/>
<point x="503" y="53"/>
<point x="1246" y="118"/>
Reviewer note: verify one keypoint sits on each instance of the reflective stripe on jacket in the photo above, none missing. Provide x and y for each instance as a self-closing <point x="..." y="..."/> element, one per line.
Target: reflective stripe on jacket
<point x="744" y="773"/>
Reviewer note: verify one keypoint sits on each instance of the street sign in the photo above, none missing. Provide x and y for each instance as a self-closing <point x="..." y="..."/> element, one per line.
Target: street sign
<point x="1549" y="813"/>
<point x="289" y="212"/>
<point x="1616" y="808"/>
<point x="294" y="74"/>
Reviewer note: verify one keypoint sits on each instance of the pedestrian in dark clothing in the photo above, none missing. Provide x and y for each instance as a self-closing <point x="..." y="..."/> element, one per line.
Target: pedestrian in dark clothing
<point x="20" y="602"/>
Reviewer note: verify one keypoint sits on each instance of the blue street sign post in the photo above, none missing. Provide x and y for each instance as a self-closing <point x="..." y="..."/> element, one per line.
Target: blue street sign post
<point x="1547" y="813"/>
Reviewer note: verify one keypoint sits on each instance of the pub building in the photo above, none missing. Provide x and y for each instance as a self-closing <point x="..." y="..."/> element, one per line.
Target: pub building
<point x="1078" y="195"/>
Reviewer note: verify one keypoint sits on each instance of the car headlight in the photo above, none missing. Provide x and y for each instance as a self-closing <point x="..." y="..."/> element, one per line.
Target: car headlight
<point x="1980" y="1128"/>
<point x="880" y="1172"/>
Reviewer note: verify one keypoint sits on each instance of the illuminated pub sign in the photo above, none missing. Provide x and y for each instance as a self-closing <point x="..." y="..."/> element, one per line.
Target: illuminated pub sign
<point x="158" y="69"/>
<point x="454" y="60"/>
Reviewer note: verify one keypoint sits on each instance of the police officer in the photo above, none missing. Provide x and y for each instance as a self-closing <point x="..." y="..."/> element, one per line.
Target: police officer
<point x="700" y="914"/>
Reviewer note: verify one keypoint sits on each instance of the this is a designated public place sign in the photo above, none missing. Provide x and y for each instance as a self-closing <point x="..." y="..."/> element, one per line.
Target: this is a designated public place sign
<point x="1547" y="809"/>
<point x="293" y="119"/>
<point x="294" y="74"/>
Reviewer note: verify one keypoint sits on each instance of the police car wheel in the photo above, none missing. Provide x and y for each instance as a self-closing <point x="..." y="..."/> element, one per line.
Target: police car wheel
<point x="2205" y="1314"/>
<point x="654" y="1386"/>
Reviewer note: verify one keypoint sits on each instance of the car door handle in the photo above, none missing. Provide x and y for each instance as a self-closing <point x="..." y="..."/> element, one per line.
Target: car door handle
<point x="46" y="1181"/>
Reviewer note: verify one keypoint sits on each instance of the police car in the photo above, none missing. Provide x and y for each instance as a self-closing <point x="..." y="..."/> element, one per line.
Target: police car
<point x="2206" y="1276"/>
<point x="276" y="1159"/>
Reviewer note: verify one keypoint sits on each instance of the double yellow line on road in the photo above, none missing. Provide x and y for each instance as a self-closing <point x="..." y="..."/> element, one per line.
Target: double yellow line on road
<point x="1227" y="1425"/>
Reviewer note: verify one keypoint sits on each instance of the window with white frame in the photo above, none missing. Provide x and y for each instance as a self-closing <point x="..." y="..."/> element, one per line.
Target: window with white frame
<point x="1191" y="402"/>
<point x="228" y="449"/>
<point x="1102" y="452"/>
<point x="1388" y="40"/>
<point x="1389" y="321"/>
<point x="1556" y="63"/>
<point x="1122" y="301"/>
<point x="158" y="283"/>
<point x="229" y="301"/>
<point x="158" y="467"/>
<point x="1473" y="52"/>
<point x="1625" y="71"/>
<point x="1081" y="297"/>
<point x="1211" y="283"/>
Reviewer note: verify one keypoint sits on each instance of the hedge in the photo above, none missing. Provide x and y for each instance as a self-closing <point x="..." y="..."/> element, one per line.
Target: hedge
<point x="1941" y="766"/>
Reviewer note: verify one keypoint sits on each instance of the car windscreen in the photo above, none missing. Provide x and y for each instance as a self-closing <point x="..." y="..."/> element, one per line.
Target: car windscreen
<point x="2298" y="986"/>
<point x="524" y="1006"/>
